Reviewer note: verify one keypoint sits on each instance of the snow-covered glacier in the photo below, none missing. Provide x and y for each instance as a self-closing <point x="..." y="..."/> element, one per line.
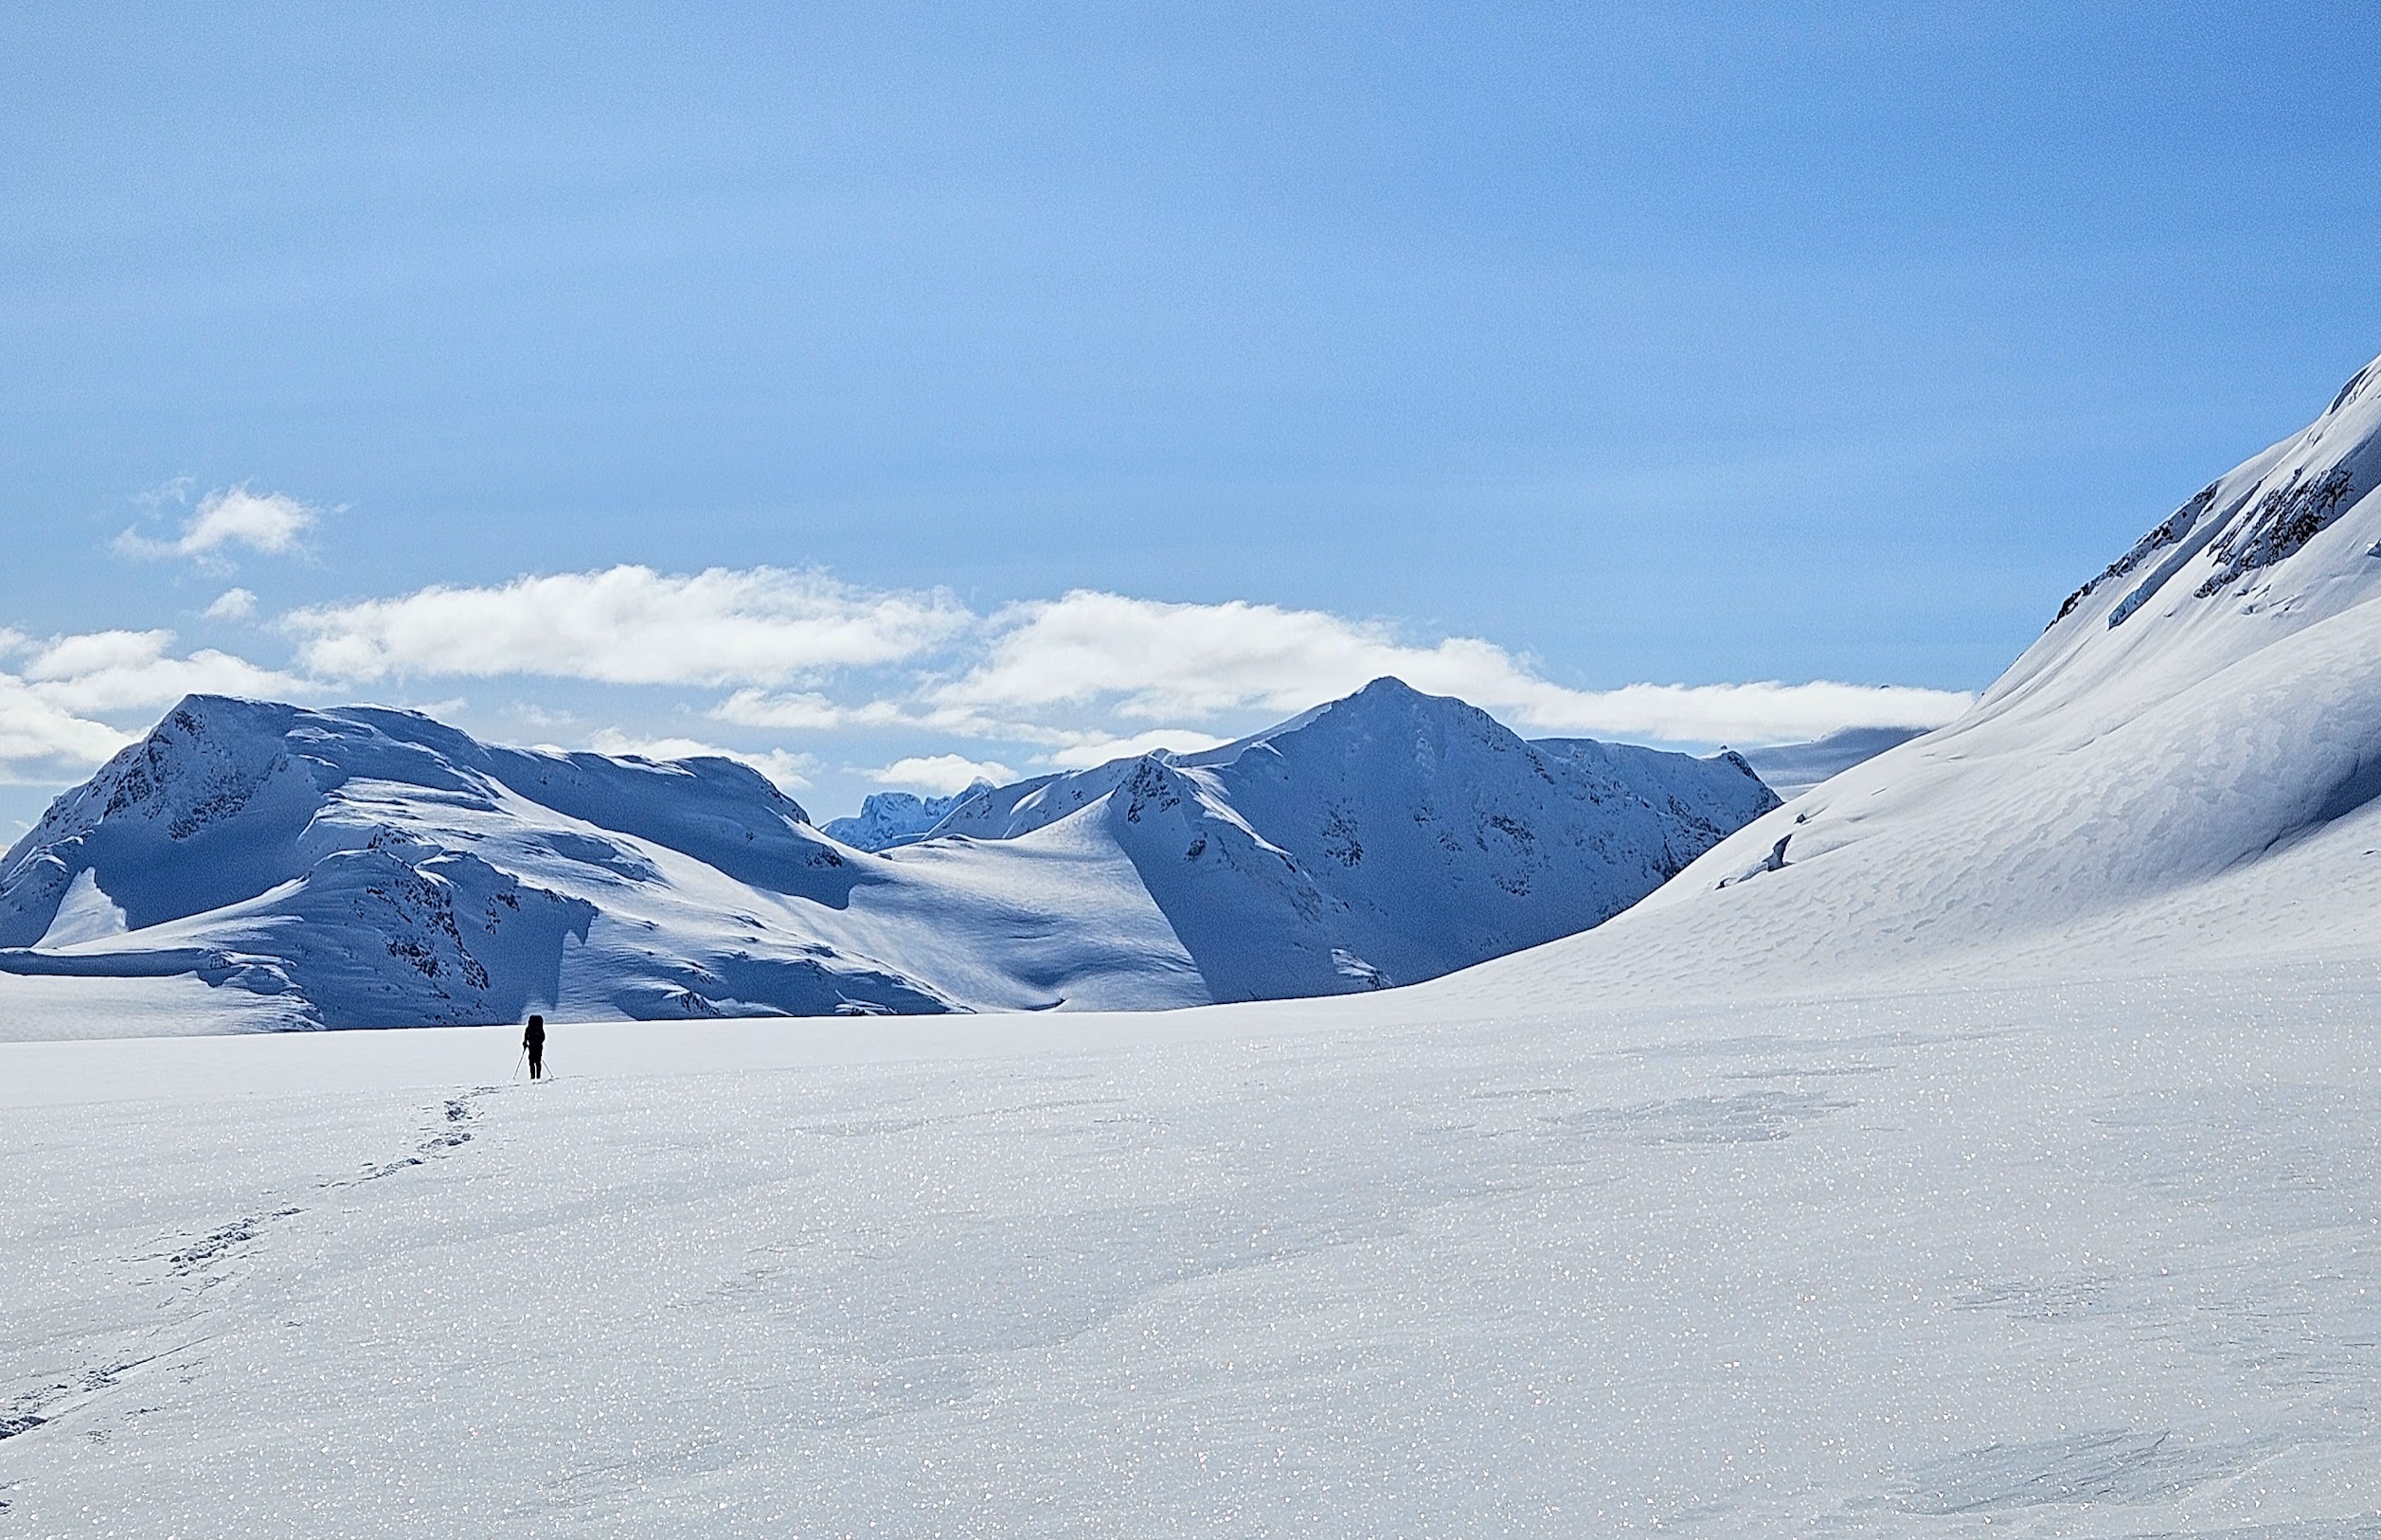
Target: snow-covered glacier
<point x="251" y="863"/>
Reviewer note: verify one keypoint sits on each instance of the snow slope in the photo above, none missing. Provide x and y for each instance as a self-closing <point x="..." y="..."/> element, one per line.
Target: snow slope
<point x="369" y="868"/>
<point x="372" y="867"/>
<point x="2196" y="735"/>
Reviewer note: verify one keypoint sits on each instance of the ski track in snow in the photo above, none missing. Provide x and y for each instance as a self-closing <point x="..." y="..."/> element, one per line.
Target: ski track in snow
<point x="2083" y="1260"/>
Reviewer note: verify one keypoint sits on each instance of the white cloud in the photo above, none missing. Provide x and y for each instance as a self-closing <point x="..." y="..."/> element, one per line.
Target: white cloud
<point x="51" y="704"/>
<point x="273" y="522"/>
<point x="1765" y="712"/>
<point x="1073" y="681"/>
<point x="232" y="604"/>
<point x="942" y="773"/>
<point x="93" y="652"/>
<point x="42" y="742"/>
<point x="630" y="625"/>
<point x="120" y="670"/>
<point x="789" y="771"/>
<point x="1142" y="658"/>
<point x="1154" y="659"/>
<point x="808" y="711"/>
<point x="1102" y="748"/>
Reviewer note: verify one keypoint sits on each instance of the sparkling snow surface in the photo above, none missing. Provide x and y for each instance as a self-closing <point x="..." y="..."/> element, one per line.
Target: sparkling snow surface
<point x="2092" y="1258"/>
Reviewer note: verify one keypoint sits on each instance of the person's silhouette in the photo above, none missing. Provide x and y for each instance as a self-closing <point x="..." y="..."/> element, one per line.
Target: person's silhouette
<point x="534" y="1040"/>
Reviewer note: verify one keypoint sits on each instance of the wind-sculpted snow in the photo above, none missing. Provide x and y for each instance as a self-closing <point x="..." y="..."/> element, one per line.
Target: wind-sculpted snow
<point x="373" y="868"/>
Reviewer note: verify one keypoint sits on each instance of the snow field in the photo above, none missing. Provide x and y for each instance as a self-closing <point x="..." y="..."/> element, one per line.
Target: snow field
<point x="2088" y="1260"/>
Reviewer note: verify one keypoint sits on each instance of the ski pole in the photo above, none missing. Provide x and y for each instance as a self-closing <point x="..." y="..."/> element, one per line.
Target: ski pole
<point x="519" y="1062"/>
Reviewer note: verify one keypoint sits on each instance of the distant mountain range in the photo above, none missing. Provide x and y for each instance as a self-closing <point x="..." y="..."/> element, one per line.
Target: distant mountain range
<point x="257" y="865"/>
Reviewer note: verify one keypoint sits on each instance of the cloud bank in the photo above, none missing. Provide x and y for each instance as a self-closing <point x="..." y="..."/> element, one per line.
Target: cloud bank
<point x="1144" y="659"/>
<point x="793" y="657"/>
<point x="1086" y="668"/>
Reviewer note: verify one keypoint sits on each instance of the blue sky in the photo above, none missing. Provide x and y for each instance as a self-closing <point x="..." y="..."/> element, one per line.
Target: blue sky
<point x="1033" y="381"/>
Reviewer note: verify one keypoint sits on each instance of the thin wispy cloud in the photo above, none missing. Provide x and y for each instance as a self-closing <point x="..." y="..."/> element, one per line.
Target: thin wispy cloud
<point x="226" y="520"/>
<point x="810" y="711"/>
<point x="1099" y="748"/>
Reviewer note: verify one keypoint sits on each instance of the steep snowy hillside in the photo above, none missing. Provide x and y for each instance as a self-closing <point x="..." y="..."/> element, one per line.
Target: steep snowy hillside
<point x="890" y="818"/>
<point x="2191" y="747"/>
<point x="254" y="865"/>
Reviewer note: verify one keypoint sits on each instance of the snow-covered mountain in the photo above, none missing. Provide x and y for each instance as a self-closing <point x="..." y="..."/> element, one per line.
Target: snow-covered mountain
<point x="251" y="863"/>
<point x="889" y="818"/>
<point x="2191" y="751"/>
<point x="2188" y="751"/>
<point x="1384" y="838"/>
<point x="365" y="867"/>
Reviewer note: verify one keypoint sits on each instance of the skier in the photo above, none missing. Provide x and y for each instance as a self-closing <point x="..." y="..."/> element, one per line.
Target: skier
<point x="534" y="1041"/>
